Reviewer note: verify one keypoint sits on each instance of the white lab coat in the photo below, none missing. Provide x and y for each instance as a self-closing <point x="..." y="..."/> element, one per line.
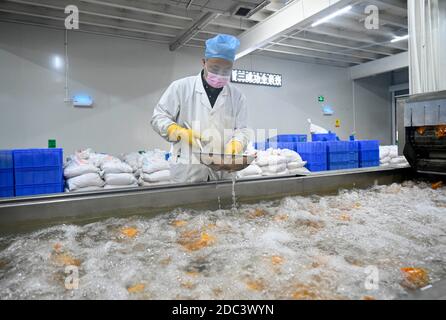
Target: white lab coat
<point x="185" y="100"/>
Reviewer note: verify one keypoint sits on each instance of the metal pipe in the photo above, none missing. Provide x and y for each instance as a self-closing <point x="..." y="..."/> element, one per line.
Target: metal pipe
<point x="67" y="91"/>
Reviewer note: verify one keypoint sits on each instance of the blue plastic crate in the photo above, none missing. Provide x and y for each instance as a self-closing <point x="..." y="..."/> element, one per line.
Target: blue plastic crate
<point x="38" y="166"/>
<point x="261" y="146"/>
<point x="6" y="192"/>
<point x="315" y="153"/>
<point x="6" y="177"/>
<point x="289" y="138"/>
<point x="368" y="153"/>
<point x="6" y="159"/>
<point x="39" y="189"/>
<point x="316" y="167"/>
<point x="35" y="158"/>
<point x="342" y="155"/>
<point x="43" y="175"/>
<point x="6" y="169"/>
<point x="283" y="145"/>
<point x="324" y="137"/>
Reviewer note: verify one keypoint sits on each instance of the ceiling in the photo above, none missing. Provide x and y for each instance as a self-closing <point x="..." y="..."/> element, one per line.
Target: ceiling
<point x="342" y="41"/>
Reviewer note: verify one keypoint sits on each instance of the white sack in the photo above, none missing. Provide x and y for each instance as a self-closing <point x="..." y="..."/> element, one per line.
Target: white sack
<point x="120" y="179"/>
<point x="116" y="167"/>
<point x="85" y="180"/>
<point x="158" y="176"/>
<point x="74" y="170"/>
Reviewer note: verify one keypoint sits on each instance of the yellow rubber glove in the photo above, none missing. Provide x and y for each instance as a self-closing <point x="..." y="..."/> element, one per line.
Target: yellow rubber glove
<point x="177" y="133"/>
<point x="234" y="147"/>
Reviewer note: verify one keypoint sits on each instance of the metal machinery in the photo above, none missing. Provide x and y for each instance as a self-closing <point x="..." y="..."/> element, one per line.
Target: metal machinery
<point x="425" y="124"/>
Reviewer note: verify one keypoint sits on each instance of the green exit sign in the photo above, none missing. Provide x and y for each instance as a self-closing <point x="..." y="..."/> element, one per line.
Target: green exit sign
<point x="321" y="98"/>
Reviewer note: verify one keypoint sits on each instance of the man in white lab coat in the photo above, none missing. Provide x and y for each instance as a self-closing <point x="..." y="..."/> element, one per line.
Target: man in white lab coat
<point x="214" y="108"/>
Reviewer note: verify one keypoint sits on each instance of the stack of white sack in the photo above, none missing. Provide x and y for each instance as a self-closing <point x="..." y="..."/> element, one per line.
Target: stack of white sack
<point x="273" y="162"/>
<point x="155" y="169"/>
<point x="295" y="164"/>
<point x="82" y="171"/>
<point x="134" y="160"/>
<point x="252" y="171"/>
<point x="388" y="156"/>
<point x="117" y="174"/>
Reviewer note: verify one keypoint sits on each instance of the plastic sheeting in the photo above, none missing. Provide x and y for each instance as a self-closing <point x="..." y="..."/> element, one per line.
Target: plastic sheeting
<point x="427" y="29"/>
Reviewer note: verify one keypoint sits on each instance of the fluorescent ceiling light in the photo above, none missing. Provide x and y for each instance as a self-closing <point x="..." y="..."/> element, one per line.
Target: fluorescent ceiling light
<point x="331" y="16"/>
<point x="396" y="39"/>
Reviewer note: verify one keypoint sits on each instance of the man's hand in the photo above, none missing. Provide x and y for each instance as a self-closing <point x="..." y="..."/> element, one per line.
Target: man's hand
<point x="177" y="133"/>
<point x="234" y="147"/>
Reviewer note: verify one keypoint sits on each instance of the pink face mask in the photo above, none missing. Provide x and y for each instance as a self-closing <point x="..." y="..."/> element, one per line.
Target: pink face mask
<point x="216" y="80"/>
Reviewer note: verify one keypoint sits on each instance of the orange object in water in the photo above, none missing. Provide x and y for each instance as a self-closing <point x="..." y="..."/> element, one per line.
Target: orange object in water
<point x="276" y="260"/>
<point x="368" y="298"/>
<point x="255" y="285"/>
<point x="421" y="130"/>
<point x="281" y="217"/>
<point x="345" y="217"/>
<point x="415" y="278"/>
<point x="193" y="240"/>
<point x="305" y="292"/>
<point x="57" y="247"/>
<point x="129" y="232"/>
<point x="178" y="223"/>
<point x="188" y="285"/>
<point x="65" y="259"/>
<point x="137" y="288"/>
<point x="440" y="131"/>
<point x="437" y="185"/>
<point x="257" y="213"/>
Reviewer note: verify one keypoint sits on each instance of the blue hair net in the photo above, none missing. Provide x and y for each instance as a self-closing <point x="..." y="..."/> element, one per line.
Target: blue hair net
<point x="222" y="46"/>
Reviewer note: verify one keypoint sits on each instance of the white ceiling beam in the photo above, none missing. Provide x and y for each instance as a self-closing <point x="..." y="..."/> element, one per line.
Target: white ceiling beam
<point x="342" y="43"/>
<point x="278" y="47"/>
<point x="103" y="31"/>
<point x="301" y="50"/>
<point x="294" y="14"/>
<point x="387" y="64"/>
<point x="107" y="12"/>
<point x="397" y="6"/>
<point x="384" y="18"/>
<point x="196" y="27"/>
<point x="293" y="57"/>
<point x="58" y="15"/>
<point x="360" y="37"/>
<point x="302" y="44"/>
<point x="356" y="25"/>
<point x="233" y="22"/>
<point x="147" y="7"/>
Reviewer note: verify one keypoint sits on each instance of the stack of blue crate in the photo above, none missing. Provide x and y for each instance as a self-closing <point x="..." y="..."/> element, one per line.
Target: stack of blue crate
<point x="368" y="153"/>
<point x="6" y="174"/>
<point x="324" y="137"/>
<point x="289" y="138"/>
<point x="38" y="171"/>
<point x="342" y="155"/>
<point x="284" y="141"/>
<point x="314" y="153"/>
